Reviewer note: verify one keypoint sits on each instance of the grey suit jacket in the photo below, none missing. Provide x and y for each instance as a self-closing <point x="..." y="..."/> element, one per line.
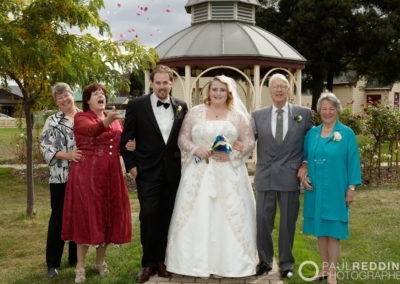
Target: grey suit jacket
<point x="277" y="165"/>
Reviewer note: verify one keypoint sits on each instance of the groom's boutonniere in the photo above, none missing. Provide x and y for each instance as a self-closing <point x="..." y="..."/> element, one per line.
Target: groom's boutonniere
<point x="337" y="137"/>
<point x="298" y="118"/>
<point x="178" y="110"/>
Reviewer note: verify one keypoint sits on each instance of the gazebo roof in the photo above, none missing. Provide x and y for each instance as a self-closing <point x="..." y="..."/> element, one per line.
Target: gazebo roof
<point x="232" y="42"/>
<point x="196" y="2"/>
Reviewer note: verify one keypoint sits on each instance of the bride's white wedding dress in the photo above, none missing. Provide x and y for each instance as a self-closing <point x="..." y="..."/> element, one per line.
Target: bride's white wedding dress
<point x="213" y="227"/>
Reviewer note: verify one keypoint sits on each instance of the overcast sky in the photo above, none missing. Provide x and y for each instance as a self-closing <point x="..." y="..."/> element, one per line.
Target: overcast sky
<point x="151" y="21"/>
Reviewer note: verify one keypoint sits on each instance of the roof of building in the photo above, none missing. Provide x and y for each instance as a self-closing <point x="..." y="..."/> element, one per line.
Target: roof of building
<point x="236" y="40"/>
<point x="373" y="85"/>
<point x="196" y="2"/>
<point x="349" y="77"/>
<point x="11" y="89"/>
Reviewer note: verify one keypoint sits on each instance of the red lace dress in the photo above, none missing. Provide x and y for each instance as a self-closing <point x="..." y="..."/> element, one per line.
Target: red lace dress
<point x="96" y="205"/>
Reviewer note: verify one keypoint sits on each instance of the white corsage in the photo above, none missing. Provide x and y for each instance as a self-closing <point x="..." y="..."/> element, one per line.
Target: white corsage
<point x="178" y="110"/>
<point x="298" y="118"/>
<point x="337" y="137"/>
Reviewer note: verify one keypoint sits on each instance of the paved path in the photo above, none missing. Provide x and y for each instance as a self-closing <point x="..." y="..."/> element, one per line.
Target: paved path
<point x="273" y="277"/>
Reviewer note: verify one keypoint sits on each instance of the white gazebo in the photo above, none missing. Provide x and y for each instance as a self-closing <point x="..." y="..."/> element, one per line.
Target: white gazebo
<point x="223" y="39"/>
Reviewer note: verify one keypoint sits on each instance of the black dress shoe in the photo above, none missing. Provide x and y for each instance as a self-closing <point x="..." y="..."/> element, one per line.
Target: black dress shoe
<point x="52" y="272"/>
<point x="287" y="274"/>
<point x="261" y="268"/>
<point x="162" y="270"/>
<point x="144" y="274"/>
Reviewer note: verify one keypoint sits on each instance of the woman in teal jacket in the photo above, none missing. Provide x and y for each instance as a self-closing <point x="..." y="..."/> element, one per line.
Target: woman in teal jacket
<point x="334" y="170"/>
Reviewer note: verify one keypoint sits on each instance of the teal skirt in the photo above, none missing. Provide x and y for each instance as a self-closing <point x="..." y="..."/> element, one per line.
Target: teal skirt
<point x="326" y="228"/>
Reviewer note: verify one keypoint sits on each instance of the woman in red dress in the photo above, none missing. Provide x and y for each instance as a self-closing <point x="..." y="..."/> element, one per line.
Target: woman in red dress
<point x="96" y="207"/>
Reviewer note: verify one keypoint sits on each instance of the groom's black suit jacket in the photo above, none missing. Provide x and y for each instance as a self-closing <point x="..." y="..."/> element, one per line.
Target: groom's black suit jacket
<point x="154" y="160"/>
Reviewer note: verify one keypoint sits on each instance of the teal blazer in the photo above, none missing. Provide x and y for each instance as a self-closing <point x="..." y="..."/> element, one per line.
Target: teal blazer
<point x="335" y="168"/>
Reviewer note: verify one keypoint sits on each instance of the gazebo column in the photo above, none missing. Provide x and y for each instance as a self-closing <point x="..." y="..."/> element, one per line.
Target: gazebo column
<point x="257" y="86"/>
<point x="197" y="90"/>
<point x="188" y="76"/>
<point x="249" y="94"/>
<point x="292" y="98"/>
<point x="147" y="81"/>
<point x="298" y="85"/>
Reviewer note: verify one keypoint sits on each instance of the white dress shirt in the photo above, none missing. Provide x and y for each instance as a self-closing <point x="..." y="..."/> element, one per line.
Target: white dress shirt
<point x="285" y="119"/>
<point x="164" y="116"/>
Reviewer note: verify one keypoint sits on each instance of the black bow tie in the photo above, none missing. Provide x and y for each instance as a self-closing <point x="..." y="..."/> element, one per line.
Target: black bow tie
<point x="160" y="103"/>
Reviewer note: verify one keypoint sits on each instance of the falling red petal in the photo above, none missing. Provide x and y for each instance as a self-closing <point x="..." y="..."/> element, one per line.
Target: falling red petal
<point x="136" y="36"/>
<point x="119" y="4"/>
<point x="138" y="14"/>
<point x="168" y="10"/>
<point x="145" y="9"/>
<point x="132" y="30"/>
<point x="121" y="35"/>
<point x="151" y="34"/>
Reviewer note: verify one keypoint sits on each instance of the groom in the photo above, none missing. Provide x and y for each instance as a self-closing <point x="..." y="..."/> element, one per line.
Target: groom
<point x="280" y="130"/>
<point x="154" y="122"/>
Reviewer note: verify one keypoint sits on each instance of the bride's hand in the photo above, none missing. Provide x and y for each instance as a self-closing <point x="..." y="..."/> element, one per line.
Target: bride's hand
<point x="220" y="156"/>
<point x="202" y="153"/>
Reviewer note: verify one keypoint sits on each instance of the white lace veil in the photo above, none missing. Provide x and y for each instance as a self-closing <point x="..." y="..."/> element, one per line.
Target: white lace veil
<point x="237" y="102"/>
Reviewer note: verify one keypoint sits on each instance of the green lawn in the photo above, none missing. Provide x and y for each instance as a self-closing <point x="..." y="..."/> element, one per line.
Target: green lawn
<point x="374" y="237"/>
<point x="23" y="240"/>
<point x="374" y="234"/>
<point x="7" y="133"/>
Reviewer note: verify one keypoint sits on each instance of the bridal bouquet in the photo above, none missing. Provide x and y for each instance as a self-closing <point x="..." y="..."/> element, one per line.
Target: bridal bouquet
<point x="221" y="143"/>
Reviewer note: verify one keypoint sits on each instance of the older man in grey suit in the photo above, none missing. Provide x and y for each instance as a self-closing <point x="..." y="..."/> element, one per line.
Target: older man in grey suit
<point x="280" y="131"/>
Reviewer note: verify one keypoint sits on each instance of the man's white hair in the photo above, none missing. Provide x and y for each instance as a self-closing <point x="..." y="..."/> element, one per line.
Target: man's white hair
<point x="276" y="76"/>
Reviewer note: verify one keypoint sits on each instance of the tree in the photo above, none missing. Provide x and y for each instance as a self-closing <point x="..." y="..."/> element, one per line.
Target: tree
<point x="137" y="82"/>
<point x="378" y="55"/>
<point x="37" y="49"/>
<point x="338" y="36"/>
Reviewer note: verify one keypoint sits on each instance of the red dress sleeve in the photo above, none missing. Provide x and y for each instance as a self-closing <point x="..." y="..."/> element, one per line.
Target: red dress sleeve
<point x="88" y="125"/>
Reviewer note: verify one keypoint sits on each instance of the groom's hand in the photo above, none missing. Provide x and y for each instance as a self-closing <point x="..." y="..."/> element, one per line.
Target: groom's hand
<point x="133" y="173"/>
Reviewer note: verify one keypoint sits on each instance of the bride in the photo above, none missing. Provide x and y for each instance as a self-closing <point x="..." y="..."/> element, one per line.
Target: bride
<point x="213" y="230"/>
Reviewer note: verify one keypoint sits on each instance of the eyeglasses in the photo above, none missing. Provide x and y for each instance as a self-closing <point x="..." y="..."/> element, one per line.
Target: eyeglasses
<point x="62" y="96"/>
<point x="283" y="87"/>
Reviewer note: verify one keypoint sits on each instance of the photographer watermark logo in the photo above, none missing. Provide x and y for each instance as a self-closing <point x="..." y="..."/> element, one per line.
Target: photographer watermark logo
<point x="308" y="262"/>
<point x="362" y="270"/>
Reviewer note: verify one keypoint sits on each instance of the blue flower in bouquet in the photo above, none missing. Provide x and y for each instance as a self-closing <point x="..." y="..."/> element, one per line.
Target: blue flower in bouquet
<point x="221" y="143"/>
